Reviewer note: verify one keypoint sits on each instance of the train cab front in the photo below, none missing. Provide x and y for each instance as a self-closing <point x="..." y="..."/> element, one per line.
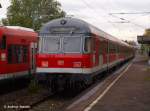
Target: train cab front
<point x="64" y="48"/>
<point x="63" y="55"/>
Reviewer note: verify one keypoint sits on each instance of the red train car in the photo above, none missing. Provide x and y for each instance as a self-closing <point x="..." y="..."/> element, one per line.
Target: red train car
<point x="73" y="50"/>
<point x="18" y="46"/>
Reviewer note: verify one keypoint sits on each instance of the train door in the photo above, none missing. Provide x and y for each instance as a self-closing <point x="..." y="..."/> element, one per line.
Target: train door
<point x="103" y="53"/>
<point x="117" y="52"/>
<point x="96" y="53"/>
<point x="101" y="50"/>
<point x="108" y="54"/>
<point x="33" y="50"/>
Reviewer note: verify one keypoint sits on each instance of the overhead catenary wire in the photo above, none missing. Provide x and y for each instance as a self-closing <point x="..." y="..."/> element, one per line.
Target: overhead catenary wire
<point x="113" y="24"/>
<point x="110" y="22"/>
<point x="126" y="13"/>
<point x="124" y="19"/>
<point x="95" y="11"/>
<point x="142" y="14"/>
<point x="131" y="21"/>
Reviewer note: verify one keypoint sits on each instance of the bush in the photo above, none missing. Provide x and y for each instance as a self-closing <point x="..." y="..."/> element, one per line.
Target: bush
<point x="34" y="86"/>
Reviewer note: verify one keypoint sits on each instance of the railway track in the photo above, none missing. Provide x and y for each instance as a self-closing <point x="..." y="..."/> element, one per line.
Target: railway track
<point x="11" y="85"/>
<point x="24" y="101"/>
<point x="52" y="103"/>
<point x="21" y="99"/>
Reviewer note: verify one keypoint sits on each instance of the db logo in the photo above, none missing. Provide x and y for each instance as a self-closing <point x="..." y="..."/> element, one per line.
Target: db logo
<point x="60" y="62"/>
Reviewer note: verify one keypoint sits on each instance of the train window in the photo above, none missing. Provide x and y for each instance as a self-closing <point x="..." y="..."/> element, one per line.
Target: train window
<point x="20" y="54"/>
<point x="87" y="45"/>
<point x="112" y="48"/>
<point x="93" y="45"/>
<point x="25" y="53"/>
<point x="14" y="53"/>
<point x="72" y="45"/>
<point x="3" y="44"/>
<point x="10" y="54"/>
<point x="17" y="54"/>
<point x="40" y="44"/>
<point x="103" y="47"/>
<point x="51" y="44"/>
<point x="118" y="49"/>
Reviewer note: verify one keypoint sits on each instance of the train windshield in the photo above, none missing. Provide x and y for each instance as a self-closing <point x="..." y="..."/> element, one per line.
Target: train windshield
<point x="72" y="44"/>
<point x="60" y="44"/>
<point x="49" y="44"/>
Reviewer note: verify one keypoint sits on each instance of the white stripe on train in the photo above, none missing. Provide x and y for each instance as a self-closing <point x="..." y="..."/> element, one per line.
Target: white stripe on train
<point x="13" y="75"/>
<point x="76" y="70"/>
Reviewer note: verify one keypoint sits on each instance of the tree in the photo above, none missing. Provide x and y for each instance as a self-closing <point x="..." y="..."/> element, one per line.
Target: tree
<point x="32" y="13"/>
<point x="132" y="43"/>
<point x="147" y="32"/>
<point x="5" y="21"/>
<point x="146" y="47"/>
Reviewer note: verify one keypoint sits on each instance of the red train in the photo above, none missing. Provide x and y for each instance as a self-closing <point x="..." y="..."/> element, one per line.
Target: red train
<point x="18" y="46"/>
<point x="71" y="50"/>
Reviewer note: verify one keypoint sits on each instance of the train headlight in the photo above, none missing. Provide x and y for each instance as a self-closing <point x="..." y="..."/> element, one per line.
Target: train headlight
<point x="44" y="63"/>
<point x="3" y="57"/>
<point x="77" y="64"/>
<point x="60" y="62"/>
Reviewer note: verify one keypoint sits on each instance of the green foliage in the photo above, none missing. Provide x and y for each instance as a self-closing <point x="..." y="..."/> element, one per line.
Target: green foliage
<point x="33" y="86"/>
<point x="5" y="21"/>
<point x="145" y="48"/>
<point x="32" y="13"/>
<point x="147" y="78"/>
<point x="147" y="32"/>
<point x="133" y="43"/>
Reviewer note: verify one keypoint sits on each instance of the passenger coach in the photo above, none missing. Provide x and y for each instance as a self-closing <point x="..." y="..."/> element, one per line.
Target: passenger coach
<point x="74" y="50"/>
<point x="18" y="46"/>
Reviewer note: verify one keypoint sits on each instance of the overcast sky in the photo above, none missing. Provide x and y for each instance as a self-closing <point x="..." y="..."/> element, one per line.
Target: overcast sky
<point x="97" y="12"/>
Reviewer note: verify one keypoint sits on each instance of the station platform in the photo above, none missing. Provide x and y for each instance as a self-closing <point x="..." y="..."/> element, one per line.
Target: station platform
<point x="131" y="92"/>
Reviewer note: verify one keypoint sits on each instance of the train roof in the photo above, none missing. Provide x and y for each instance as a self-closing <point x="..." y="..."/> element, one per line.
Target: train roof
<point x="17" y="30"/>
<point x="66" y="22"/>
<point x="83" y="27"/>
<point x="20" y="28"/>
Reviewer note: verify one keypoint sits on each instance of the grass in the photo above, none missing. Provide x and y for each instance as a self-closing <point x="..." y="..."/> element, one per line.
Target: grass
<point x="148" y="69"/>
<point x="34" y="87"/>
<point x="147" y="78"/>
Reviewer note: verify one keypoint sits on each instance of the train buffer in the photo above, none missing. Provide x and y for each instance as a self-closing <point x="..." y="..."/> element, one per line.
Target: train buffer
<point x="130" y="92"/>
